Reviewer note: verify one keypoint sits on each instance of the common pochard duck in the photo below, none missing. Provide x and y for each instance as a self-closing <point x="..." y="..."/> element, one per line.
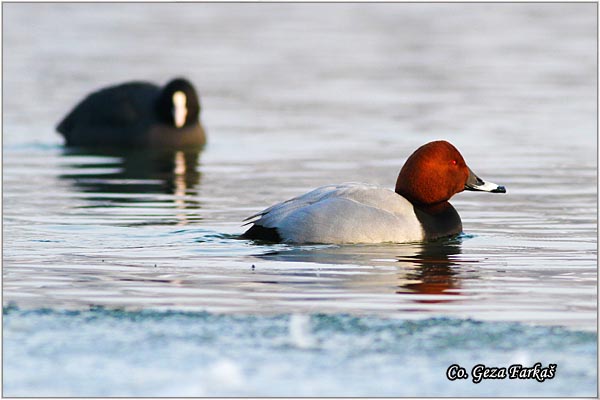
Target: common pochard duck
<point x="417" y="210"/>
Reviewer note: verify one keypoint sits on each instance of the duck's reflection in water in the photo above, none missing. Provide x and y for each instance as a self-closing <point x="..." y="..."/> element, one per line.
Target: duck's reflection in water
<point x="432" y="271"/>
<point x="146" y="178"/>
<point x="426" y="271"/>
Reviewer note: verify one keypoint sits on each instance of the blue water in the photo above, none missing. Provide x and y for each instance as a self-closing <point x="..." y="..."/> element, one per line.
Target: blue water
<point x="149" y="353"/>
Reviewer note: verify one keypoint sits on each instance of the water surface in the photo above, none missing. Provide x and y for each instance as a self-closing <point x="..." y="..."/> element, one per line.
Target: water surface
<point x="152" y="353"/>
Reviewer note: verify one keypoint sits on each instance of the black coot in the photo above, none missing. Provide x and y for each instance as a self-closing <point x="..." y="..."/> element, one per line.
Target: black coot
<point x="137" y="114"/>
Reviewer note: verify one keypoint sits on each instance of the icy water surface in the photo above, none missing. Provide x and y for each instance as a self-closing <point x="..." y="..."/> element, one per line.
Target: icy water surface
<point x="149" y="353"/>
<point x="131" y="261"/>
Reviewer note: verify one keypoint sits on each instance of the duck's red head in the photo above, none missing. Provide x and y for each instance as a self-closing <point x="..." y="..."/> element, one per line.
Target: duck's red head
<point x="437" y="171"/>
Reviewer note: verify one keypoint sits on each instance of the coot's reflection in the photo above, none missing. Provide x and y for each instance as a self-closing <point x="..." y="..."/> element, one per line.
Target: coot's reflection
<point x="115" y="177"/>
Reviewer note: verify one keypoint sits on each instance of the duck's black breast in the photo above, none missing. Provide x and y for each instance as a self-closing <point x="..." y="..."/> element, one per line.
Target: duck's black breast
<point x="439" y="221"/>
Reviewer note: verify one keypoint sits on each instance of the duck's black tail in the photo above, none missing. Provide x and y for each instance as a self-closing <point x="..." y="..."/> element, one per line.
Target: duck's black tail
<point x="257" y="232"/>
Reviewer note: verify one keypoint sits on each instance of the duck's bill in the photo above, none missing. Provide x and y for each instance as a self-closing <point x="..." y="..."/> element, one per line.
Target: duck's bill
<point x="475" y="183"/>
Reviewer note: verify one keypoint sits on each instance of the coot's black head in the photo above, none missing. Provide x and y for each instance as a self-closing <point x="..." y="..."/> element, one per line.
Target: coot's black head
<point x="178" y="103"/>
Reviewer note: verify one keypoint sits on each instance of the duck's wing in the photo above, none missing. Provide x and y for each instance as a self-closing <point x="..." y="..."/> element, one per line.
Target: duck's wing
<point x="363" y="193"/>
<point x="270" y="215"/>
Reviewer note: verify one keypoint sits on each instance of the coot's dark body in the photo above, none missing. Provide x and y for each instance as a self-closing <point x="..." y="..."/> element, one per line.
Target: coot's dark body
<point x="134" y="114"/>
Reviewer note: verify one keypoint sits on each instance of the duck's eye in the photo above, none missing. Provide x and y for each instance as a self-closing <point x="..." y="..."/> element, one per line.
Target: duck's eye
<point x="453" y="162"/>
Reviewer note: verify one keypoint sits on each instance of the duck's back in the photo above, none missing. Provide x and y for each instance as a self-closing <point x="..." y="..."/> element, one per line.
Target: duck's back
<point x="116" y="115"/>
<point x="346" y="213"/>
